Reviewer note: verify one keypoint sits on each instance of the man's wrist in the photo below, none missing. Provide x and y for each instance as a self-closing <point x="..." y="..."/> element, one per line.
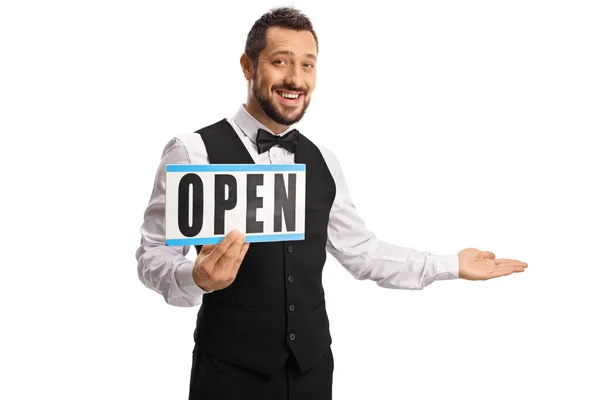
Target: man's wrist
<point x="186" y="280"/>
<point x="199" y="282"/>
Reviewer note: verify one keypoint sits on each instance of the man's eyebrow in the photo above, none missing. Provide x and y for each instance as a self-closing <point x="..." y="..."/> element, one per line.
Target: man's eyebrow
<point x="291" y="54"/>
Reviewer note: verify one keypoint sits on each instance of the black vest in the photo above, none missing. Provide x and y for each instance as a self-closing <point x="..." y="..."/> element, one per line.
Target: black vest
<point x="276" y="304"/>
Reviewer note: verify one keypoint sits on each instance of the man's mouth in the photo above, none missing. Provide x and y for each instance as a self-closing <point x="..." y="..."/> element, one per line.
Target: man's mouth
<point x="290" y="97"/>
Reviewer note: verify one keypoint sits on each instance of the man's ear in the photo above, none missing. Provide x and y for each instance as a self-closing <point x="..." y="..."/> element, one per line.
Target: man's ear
<point x="246" y="64"/>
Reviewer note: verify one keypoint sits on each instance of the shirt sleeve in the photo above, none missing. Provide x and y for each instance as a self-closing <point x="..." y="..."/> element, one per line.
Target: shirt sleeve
<point x="165" y="269"/>
<point x="366" y="257"/>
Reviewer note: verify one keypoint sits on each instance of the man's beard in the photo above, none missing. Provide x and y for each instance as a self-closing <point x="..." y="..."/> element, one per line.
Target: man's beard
<point x="271" y="110"/>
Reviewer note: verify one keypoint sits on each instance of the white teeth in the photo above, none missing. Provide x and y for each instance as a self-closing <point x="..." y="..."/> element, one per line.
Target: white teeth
<point x="289" y="95"/>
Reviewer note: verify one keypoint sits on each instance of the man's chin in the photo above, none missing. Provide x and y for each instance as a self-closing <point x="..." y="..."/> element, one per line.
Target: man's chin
<point x="294" y="114"/>
<point x="286" y="117"/>
<point x="291" y="119"/>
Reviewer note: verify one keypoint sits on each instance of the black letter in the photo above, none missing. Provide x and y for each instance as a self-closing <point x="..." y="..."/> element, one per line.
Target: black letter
<point x="221" y="205"/>
<point x="253" y="202"/>
<point x="183" y="212"/>
<point x="288" y="203"/>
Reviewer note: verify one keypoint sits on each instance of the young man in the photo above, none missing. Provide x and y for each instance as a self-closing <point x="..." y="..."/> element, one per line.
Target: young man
<point x="262" y="330"/>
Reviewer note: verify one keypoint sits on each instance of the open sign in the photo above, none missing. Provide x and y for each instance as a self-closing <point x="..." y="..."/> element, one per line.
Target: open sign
<point x="205" y="202"/>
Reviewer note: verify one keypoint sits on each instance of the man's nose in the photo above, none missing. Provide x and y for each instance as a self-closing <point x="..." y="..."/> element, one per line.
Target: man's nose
<point x="292" y="78"/>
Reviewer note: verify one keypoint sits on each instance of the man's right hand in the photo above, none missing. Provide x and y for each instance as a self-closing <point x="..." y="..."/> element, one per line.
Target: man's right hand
<point x="217" y="264"/>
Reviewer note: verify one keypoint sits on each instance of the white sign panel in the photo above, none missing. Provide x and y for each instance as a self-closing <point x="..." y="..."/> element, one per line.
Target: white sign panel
<point x="205" y="202"/>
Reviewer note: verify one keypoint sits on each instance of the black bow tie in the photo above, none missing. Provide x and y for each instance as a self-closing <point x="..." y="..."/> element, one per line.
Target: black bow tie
<point x="265" y="140"/>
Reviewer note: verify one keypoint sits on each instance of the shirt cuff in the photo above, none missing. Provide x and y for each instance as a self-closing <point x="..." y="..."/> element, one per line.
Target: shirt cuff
<point x="185" y="280"/>
<point x="445" y="266"/>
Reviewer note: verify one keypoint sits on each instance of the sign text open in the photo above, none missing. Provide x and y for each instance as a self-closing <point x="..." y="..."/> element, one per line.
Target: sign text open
<point x="205" y="202"/>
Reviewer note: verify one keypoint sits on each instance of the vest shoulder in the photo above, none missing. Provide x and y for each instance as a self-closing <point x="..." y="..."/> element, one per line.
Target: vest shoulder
<point x="194" y="143"/>
<point x="326" y="152"/>
<point x="222" y="124"/>
<point x="328" y="156"/>
<point x="192" y="137"/>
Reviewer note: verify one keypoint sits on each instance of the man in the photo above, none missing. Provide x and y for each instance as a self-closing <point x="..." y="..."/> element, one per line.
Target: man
<point x="262" y="330"/>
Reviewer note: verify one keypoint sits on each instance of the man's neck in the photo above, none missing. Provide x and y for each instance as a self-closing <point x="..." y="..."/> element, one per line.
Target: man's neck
<point x="257" y="112"/>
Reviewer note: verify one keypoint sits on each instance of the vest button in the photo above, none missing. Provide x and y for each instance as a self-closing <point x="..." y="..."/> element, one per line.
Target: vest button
<point x="290" y="278"/>
<point x="292" y="336"/>
<point x="292" y="307"/>
<point x="289" y="249"/>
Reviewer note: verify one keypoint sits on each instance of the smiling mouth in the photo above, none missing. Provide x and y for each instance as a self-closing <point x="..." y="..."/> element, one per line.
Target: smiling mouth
<point x="290" y="97"/>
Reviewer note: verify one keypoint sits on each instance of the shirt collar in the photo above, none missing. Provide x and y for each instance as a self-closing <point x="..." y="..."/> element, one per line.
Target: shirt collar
<point x="249" y="125"/>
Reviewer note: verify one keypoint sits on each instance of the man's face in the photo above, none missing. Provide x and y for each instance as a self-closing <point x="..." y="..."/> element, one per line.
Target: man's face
<point x="285" y="74"/>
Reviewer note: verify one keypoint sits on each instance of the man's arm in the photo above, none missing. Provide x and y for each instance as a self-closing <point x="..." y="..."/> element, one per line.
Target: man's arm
<point x="162" y="268"/>
<point x="367" y="257"/>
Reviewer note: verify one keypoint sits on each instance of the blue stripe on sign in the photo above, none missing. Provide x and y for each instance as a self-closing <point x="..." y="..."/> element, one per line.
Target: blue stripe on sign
<point x="249" y="239"/>
<point x="234" y="167"/>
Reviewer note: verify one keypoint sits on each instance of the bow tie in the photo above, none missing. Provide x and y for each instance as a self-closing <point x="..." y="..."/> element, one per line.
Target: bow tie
<point x="266" y="140"/>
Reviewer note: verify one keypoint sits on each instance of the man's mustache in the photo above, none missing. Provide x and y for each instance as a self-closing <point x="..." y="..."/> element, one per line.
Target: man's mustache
<point x="291" y="89"/>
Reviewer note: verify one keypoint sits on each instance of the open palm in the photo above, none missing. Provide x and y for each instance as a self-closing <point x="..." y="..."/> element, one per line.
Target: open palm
<point x="478" y="265"/>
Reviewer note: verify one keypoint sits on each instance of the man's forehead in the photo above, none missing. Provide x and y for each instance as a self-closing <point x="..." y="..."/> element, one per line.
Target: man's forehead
<point x="294" y="43"/>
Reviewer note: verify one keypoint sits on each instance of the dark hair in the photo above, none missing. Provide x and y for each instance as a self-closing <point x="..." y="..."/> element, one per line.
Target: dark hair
<point x="285" y="17"/>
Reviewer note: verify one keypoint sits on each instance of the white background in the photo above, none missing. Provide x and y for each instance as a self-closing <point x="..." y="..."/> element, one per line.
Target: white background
<point x="458" y="124"/>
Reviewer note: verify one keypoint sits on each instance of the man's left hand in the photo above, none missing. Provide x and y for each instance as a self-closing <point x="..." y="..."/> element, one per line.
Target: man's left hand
<point x="477" y="265"/>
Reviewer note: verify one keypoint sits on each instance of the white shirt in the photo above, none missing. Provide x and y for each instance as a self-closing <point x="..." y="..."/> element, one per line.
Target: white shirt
<point x="166" y="269"/>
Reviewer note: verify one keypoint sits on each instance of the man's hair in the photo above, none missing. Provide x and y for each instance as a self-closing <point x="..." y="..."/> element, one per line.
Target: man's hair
<point x="284" y="17"/>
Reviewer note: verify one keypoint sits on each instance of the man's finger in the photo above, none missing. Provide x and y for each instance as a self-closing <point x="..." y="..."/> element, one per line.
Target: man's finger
<point x="228" y="259"/>
<point x="506" y="269"/>
<point x="502" y="261"/>
<point x="207" y="248"/>
<point x="223" y="246"/>
<point x="238" y="262"/>
<point x="503" y="271"/>
<point x="488" y="254"/>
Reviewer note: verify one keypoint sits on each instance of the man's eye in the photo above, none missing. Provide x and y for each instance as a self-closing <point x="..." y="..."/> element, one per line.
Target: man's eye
<point x="309" y="65"/>
<point x="279" y="62"/>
